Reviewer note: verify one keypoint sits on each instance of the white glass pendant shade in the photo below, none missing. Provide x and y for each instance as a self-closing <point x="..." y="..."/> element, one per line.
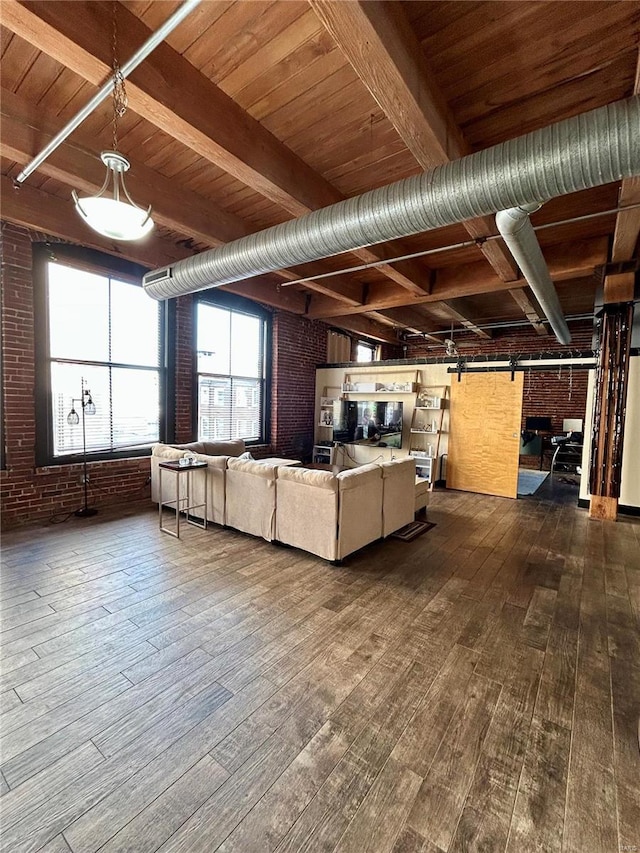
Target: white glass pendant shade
<point x="90" y="407"/>
<point x="115" y="219"/>
<point x="107" y="213"/>
<point x="73" y="418"/>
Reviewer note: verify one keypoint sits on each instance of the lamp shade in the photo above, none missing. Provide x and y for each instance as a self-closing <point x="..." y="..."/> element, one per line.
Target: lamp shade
<point x="72" y="418"/>
<point x="115" y="219"/>
<point x="107" y="212"/>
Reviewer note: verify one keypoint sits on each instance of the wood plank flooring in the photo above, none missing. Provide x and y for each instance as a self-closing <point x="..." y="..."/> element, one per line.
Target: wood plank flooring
<point x="477" y="689"/>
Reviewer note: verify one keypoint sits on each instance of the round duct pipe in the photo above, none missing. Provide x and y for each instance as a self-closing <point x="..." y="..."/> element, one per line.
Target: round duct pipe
<point x="585" y="151"/>
<point x="516" y="228"/>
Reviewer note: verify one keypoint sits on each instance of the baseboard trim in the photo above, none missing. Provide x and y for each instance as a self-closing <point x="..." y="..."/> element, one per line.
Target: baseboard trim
<point x="623" y="509"/>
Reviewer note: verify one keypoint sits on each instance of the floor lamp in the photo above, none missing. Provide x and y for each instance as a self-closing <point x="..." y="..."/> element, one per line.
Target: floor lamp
<point x="88" y="408"/>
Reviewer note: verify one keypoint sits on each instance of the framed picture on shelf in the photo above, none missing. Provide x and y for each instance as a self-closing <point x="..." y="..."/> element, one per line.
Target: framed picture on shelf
<point x="326" y="417"/>
<point x="326" y="402"/>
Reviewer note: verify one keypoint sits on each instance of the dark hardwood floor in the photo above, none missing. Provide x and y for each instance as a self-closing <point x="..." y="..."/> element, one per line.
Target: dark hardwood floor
<point x="477" y="689"/>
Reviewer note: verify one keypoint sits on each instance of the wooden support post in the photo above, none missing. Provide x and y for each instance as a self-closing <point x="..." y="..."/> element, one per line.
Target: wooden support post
<point x="611" y="396"/>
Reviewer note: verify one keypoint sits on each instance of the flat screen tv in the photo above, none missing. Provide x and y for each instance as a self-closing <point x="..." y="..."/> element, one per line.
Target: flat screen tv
<point x="377" y="423"/>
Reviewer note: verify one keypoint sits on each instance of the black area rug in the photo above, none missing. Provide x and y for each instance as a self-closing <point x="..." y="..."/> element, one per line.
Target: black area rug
<point x="413" y="530"/>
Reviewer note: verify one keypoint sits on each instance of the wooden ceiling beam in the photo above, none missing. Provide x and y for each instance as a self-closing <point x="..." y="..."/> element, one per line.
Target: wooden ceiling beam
<point x="451" y="283"/>
<point x="208" y="121"/>
<point x="627" y="229"/>
<point x="378" y="41"/>
<point x="565" y="262"/>
<point x="387" y="319"/>
<point x="74" y="164"/>
<point x="367" y="327"/>
<point x="410" y="320"/>
<point x="41" y="211"/>
<point x="523" y="302"/>
<point x="450" y="310"/>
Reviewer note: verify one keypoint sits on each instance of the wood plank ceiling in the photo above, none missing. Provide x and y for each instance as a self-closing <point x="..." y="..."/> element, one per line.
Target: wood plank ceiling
<point x="255" y="112"/>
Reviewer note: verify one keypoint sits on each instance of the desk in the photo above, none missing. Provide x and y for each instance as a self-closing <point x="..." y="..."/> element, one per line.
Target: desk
<point x="538" y="444"/>
<point x="182" y="504"/>
<point x="568" y="453"/>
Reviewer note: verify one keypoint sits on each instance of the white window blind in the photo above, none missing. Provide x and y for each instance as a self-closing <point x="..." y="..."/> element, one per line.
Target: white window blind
<point x="106" y="332"/>
<point x="230" y="365"/>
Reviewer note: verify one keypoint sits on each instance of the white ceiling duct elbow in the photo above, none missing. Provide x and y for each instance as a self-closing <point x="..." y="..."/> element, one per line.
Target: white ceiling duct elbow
<point x="579" y="153"/>
<point x="516" y="228"/>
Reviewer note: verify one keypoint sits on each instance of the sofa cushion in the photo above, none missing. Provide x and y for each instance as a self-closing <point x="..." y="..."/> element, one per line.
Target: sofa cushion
<point x="266" y="472"/>
<point x="166" y="451"/>
<point x="233" y="447"/>
<point x="217" y="462"/>
<point x="422" y="486"/>
<point x="193" y="446"/>
<point x="208" y="448"/>
<point x="355" y="477"/>
<point x="309" y="477"/>
<point x="398" y="467"/>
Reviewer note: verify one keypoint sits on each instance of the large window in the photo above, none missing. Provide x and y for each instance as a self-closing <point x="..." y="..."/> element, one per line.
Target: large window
<point x="365" y="351"/>
<point x="231" y="366"/>
<point x="101" y="333"/>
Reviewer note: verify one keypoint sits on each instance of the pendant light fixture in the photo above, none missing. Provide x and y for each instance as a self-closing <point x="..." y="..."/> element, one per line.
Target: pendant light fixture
<point x="112" y="212"/>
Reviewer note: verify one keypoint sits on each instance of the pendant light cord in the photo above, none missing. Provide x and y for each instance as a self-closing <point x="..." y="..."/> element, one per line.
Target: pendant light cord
<point x="120" y="101"/>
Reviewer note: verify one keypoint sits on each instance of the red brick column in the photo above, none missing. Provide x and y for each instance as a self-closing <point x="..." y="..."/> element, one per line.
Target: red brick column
<point x="185" y="367"/>
<point x="299" y="345"/>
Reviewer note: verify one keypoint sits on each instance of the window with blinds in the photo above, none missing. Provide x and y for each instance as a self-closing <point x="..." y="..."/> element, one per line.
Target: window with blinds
<point x="106" y="332"/>
<point x="230" y="347"/>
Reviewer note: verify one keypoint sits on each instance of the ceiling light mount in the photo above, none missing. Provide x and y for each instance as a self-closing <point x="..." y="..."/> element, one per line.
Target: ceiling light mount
<point x="115" y="161"/>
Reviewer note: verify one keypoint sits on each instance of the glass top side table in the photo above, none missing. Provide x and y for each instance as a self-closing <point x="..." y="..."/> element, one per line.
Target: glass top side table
<point x="182" y="471"/>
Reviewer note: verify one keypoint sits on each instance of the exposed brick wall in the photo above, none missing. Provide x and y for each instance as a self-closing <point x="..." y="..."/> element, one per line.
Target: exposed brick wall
<point x="299" y="345"/>
<point x="184" y="369"/>
<point x="28" y="493"/>
<point x="18" y="347"/>
<point x="391" y="351"/>
<point x="558" y="394"/>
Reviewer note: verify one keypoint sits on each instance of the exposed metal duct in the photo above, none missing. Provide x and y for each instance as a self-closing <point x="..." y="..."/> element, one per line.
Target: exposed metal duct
<point x="516" y="228"/>
<point x="585" y="151"/>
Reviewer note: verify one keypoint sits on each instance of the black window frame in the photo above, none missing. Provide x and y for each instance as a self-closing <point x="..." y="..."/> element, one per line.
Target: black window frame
<point x="101" y="263"/>
<point x="369" y="346"/>
<point x="241" y="305"/>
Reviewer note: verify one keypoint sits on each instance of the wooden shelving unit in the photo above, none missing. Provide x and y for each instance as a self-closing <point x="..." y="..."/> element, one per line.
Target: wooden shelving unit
<point x="378" y="386"/>
<point x="326" y="411"/>
<point x="323" y="448"/>
<point x="426" y="429"/>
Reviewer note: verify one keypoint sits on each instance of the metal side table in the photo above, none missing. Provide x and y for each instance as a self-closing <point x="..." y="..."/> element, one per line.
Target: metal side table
<point x="182" y="504"/>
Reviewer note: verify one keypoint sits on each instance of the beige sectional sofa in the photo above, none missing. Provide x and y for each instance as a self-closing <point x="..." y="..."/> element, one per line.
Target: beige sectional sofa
<point x="251" y="497"/>
<point x="328" y="514"/>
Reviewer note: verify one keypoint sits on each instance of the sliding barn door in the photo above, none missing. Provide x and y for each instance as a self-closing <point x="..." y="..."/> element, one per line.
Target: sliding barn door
<point x="484" y="440"/>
